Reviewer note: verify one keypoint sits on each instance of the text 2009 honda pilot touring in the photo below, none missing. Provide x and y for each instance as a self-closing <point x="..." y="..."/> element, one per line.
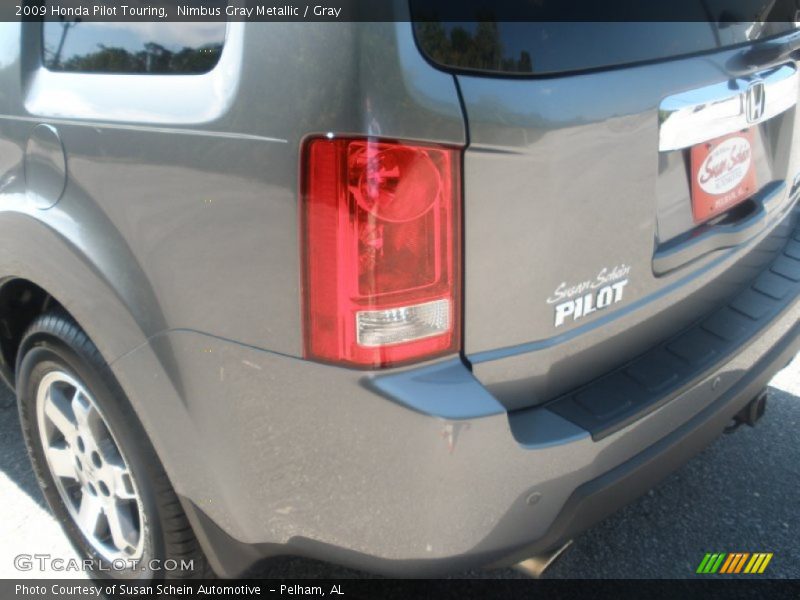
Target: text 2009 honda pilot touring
<point x="405" y="296"/>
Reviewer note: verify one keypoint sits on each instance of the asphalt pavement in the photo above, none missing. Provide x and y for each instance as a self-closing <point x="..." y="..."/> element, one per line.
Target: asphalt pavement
<point x="739" y="495"/>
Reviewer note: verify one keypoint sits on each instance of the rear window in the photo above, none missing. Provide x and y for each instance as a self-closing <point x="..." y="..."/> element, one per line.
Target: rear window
<point x="155" y="48"/>
<point x="541" y="47"/>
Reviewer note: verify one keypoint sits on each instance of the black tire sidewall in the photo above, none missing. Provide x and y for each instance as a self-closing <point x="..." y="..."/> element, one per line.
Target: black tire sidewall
<point x="49" y="354"/>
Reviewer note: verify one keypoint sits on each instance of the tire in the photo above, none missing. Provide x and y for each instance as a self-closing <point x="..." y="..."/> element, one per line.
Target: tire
<point x="67" y="391"/>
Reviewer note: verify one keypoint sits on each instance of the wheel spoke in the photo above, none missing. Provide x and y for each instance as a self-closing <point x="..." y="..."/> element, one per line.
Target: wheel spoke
<point x="122" y="483"/>
<point x="56" y="409"/>
<point x="62" y="462"/>
<point x="88" y="514"/>
<point x="82" y="409"/>
<point x="121" y="525"/>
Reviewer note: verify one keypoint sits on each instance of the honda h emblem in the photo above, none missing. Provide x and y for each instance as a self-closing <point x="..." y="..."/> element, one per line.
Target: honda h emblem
<point x="754" y="101"/>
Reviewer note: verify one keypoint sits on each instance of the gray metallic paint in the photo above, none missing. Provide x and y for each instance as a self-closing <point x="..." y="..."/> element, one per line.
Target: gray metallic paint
<point x="227" y="190"/>
<point x="175" y="246"/>
<point x="568" y="173"/>
<point x="350" y="470"/>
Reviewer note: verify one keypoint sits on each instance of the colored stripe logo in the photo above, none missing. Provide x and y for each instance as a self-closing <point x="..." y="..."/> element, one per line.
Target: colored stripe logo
<point x="730" y="563"/>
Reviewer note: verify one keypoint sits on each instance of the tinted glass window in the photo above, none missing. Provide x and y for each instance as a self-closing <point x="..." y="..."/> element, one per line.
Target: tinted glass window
<point x="158" y="48"/>
<point x="540" y="46"/>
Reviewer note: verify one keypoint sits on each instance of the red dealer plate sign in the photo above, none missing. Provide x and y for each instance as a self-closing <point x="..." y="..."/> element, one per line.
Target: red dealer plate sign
<point x="723" y="174"/>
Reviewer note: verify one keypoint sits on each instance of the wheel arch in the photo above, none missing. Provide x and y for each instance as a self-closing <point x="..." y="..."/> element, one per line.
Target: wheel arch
<point x="94" y="279"/>
<point x="80" y="264"/>
<point x="21" y="302"/>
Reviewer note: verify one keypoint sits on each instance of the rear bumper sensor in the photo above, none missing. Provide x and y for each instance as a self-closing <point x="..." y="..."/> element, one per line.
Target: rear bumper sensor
<point x="628" y="393"/>
<point x="765" y="208"/>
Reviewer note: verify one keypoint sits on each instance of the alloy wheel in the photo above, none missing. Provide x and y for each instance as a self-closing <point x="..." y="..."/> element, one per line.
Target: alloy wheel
<point x="89" y="469"/>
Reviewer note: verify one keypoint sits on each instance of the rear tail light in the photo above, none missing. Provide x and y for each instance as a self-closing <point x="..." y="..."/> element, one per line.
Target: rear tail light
<point x="381" y="243"/>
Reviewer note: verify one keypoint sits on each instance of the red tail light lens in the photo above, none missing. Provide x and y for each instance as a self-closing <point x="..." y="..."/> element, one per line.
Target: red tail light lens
<point x="381" y="240"/>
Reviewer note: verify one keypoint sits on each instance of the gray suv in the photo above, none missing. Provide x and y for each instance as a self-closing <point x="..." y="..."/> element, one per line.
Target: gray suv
<point x="405" y="296"/>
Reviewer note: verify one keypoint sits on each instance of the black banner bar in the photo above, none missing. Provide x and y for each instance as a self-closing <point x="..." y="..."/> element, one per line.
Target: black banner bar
<point x="718" y="11"/>
<point x="461" y="589"/>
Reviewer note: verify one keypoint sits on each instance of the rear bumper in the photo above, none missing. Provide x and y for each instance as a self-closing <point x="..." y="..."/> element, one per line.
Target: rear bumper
<point x="275" y="455"/>
<point x="513" y="536"/>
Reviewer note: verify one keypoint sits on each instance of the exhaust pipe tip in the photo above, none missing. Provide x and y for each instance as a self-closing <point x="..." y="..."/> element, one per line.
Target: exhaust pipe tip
<point x="750" y="414"/>
<point x="535" y="566"/>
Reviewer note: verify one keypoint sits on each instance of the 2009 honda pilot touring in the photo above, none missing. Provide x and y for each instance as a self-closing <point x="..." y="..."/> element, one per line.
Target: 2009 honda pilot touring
<point x="405" y="296"/>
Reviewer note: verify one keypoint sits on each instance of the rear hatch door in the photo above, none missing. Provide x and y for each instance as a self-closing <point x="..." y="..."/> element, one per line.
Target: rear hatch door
<point x="588" y="237"/>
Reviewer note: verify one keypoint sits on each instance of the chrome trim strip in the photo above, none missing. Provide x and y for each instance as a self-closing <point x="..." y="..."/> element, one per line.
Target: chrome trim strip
<point x="705" y="113"/>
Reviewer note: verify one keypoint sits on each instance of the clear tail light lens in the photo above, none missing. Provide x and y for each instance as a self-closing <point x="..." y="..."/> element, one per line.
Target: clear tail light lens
<point x="381" y="251"/>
